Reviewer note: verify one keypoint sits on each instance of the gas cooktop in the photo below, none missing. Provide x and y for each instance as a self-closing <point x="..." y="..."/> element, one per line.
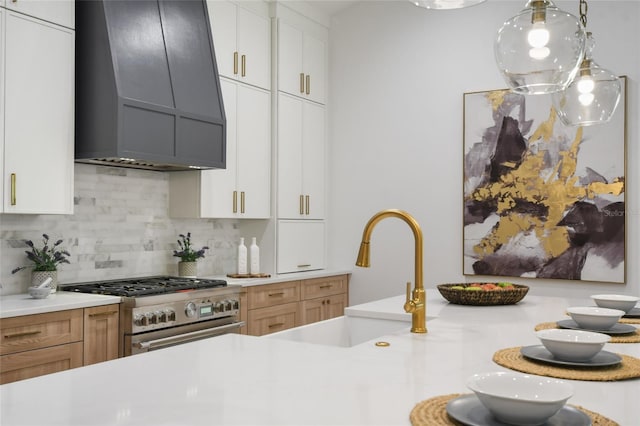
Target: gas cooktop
<point x="145" y="286"/>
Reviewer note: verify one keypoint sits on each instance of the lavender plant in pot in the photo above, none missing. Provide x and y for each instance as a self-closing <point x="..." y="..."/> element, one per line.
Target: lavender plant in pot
<point x="188" y="267"/>
<point x="45" y="261"/>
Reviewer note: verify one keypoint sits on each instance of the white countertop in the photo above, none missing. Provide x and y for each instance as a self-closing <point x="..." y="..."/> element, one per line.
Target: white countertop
<point x="22" y="304"/>
<point x="245" y="380"/>
<point x="280" y="278"/>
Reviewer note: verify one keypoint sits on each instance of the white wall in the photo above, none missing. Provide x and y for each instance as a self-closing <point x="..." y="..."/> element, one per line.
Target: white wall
<point x="397" y="78"/>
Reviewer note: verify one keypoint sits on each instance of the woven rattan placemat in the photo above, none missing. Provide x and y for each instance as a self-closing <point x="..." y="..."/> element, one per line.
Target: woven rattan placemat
<point x="433" y="412"/>
<point x="629" y="320"/>
<point x="618" y="338"/>
<point x="511" y="358"/>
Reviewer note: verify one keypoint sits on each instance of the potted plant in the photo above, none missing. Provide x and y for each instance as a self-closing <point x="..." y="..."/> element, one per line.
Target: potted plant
<point x="187" y="267"/>
<point x="46" y="261"/>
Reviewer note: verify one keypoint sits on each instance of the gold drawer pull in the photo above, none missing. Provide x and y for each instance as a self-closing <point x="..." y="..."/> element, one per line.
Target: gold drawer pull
<point x="278" y="324"/>
<point x="235" y="201"/>
<point x="326" y="286"/>
<point x="307" y="203"/>
<point x="276" y="294"/>
<point x="13" y="189"/>
<point x="242" y="202"/>
<point x="306" y="265"/>
<point x="235" y="62"/>
<point x="22" y="334"/>
<point x="102" y="314"/>
<point x="244" y="66"/>
<point x="301" y="82"/>
<point x="308" y="85"/>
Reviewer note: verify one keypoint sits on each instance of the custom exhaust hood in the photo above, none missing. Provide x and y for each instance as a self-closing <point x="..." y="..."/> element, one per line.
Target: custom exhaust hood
<point x="147" y="86"/>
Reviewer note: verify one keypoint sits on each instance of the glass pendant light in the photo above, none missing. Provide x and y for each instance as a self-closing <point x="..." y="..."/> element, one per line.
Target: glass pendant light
<point x="445" y="4"/>
<point x="539" y="50"/>
<point x="592" y="97"/>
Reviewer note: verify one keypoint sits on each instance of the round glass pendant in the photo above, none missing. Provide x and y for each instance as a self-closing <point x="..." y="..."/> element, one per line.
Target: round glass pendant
<point x="445" y="4"/>
<point x="592" y="97"/>
<point x="539" y="50"/>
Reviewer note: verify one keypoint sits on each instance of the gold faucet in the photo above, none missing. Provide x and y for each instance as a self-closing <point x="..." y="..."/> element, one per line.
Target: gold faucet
<point x="416" y="304"/>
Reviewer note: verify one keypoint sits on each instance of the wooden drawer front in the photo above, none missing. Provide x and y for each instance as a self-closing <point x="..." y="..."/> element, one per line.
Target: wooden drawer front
<point x="25" y="365"/>
<point x="321" y="287"/>
<point x="321" y="309"/>
<point x="276" y="318"/>
<point x="334" y="306"/>
<point x="39" y="331"/>
<point x="273" y="294"/>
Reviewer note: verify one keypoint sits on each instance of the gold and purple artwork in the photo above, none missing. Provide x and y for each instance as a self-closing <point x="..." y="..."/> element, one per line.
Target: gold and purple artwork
<point x="541" y="199"/>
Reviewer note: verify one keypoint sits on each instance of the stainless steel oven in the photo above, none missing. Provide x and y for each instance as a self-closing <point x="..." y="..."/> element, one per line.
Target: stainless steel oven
<point x="158" y="312"/>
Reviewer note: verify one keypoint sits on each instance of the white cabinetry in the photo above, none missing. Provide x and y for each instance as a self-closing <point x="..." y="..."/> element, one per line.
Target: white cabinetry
<point x="38" y="111"/>
<point x="301" y="158"/>
<point x="242" y="190"/>
<point x="302" y="63"/>
<point x="61" y="12"/>
<point x="300" y="245"/>
<point x="242" y="39"/>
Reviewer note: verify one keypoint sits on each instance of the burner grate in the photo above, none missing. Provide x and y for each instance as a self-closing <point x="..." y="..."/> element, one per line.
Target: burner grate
<point x="148" y="286"/>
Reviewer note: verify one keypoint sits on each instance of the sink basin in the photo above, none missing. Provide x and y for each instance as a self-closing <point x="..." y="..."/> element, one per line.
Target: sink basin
<point x="345" y="331"/>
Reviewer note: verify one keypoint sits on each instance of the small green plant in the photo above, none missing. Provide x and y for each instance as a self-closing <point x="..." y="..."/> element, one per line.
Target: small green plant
<point x="47" y="258"/>
<point x="186" y="252"/>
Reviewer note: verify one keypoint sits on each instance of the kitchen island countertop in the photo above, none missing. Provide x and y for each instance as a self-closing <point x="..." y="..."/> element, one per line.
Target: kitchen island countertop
<point x="246" y="380"/>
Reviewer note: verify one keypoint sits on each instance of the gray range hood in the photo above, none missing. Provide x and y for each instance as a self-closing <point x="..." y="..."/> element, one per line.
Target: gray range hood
<point x="147" y="87"/>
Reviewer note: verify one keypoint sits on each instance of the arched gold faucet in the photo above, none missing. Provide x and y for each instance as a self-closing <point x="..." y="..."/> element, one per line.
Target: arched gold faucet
<point x="416" y="303"/>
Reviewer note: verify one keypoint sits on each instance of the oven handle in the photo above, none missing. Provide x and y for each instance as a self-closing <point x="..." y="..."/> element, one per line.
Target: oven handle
<point x="168" y="341"/>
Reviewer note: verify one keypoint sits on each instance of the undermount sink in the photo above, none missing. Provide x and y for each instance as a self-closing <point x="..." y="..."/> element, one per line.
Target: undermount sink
<point x="345" y="331"/>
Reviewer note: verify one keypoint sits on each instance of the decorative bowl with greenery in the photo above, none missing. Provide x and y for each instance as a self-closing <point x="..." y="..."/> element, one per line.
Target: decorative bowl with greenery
<point x="186" y="252"/>
<point x="47" y="258"/>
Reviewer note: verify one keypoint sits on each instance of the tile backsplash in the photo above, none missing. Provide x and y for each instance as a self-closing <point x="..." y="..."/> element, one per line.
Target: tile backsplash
<point x="120" y="228"/>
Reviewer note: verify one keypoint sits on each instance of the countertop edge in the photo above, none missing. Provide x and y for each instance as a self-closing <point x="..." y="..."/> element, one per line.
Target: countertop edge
<point x="16" y="305"/>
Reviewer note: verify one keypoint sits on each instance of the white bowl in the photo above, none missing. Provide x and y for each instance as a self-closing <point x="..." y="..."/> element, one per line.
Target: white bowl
<point x="520" y="399"/>
<point x="616" y="301"/>
<point x="595" y="318"/>
<point x="39" y="292"/>
<point x="572" y="345"/>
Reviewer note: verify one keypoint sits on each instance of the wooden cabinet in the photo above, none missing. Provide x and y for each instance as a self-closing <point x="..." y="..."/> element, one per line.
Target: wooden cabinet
<point x="280" y="306"/>
<point x="301" y="159"/>
<point x="302" y="62"/>
<point x="34" y="345"/>
<point x="101" y="334"/>
<point x="243" y="189"/>
<point x="242" y="39"/>
<point x="38" y="111"/>
<point x="301" y="246"/>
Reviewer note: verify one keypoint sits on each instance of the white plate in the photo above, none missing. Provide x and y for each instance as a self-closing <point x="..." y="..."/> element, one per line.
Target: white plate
<point x="469" y="410"/>
<point x="616" y="329"/>
<point x="540" y="353"/>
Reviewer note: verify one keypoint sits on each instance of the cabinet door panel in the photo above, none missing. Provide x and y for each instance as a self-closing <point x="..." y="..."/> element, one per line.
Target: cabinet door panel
<point x="61" y="12"/>
<point x="289" y="157"/>
<point x="39" y="88"/>
<point x="2" y="50"/>
<point x="313" y="159"/>
<point x="334" y="306"/>
<point x="311" y="311"/>
<point x="314" y="57"/>
<point x="222" y="16"/>
<point x="289" y="58"/>
<point x="254" y="42"/>
<point x="300" y="246"/>
<point x="25" y="365"/>
<point x="101" y="334"/>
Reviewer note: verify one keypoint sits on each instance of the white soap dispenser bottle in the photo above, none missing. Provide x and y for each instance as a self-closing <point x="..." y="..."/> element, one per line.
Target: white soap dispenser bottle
<point x="254" y="253"/>
<point x="242" y="257"/>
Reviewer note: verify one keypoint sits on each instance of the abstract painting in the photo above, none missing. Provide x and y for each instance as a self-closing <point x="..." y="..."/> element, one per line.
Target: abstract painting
<point x="541" y="199"/>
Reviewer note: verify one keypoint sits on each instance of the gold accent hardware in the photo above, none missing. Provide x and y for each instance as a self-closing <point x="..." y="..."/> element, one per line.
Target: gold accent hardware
<point x="244" y="65"/>
<point x="301" y="204"/>
<point x="301" y="82"/>
<point x="416" y="305"/>
<point x="308" y="84"/>
<point x="306" y="202"/>
<point x="306" y="265"/>
<point x="103" y="314"/>
<point x="22" y="334"/>
<point x="235" y="201"/>
<point x="13" y="189"/>
<point x="235" y="62"/>
<point x="278" y="324"/>
<point x="276" y="294"/>
<point x="324" y="301"/>
<point x="326" y="286"/>
<point x="382" y="344"/>
<point x="539" y="13"/>
<point x="242" y="202"/>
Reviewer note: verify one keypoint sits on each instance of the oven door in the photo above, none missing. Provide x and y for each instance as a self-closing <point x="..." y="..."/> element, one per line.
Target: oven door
<point x="158" y="339"/>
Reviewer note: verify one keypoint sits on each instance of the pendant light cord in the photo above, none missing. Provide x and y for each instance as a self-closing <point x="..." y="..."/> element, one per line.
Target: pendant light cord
<point x="583" y="13"/>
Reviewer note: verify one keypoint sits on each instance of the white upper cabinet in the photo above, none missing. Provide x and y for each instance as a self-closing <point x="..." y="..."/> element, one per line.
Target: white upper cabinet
<point x="61" y="12"/>
<point x="243" y="189"/>
<point x="242" y="41"/>
<point x="302" y="63"/>
<point x="301" y="245"/>
<point x="38" y="113"/>
<point x="301" y="158"/>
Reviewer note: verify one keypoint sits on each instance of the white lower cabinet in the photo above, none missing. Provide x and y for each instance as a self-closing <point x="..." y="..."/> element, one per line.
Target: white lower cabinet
<point x="301" y="246"/>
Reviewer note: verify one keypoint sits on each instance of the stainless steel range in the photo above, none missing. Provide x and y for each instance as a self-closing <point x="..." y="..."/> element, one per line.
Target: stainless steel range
<point x="164" y="311"/>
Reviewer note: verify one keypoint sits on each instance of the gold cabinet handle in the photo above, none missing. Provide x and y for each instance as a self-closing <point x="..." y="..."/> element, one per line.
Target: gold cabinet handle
<point x="306" y="203"/>
<point x="103" y="314"/>
<point x="301" y="82"/>
<point x="235" y="201"/>
<point x="326" y="286"/>
<point x="278" y="324"/>
<point x="22" y="334"/>
<point x="13" y="189"/>
<point x="276" y="294"/>
<point x="235" y="62"/>
<point x="308" y="84"/>
<point x="242" y="202"/>
<point x="244" y="65"/>
<point x="306" y="265"/>
<point x="301" y="204"/>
